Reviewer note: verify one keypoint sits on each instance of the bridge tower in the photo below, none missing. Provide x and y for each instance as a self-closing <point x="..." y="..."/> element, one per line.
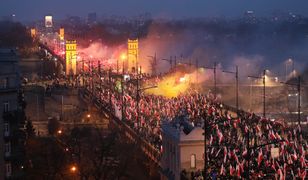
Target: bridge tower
<point x="71" y="57"/>
<point x="132" y="55"/>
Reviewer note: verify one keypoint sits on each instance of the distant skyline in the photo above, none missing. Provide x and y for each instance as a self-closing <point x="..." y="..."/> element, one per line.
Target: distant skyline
<point x="29" y="10"/>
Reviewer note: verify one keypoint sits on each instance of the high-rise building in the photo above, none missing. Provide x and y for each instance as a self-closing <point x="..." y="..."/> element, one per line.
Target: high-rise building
<point x="11" y="152"/>
<point x="48" y="21"/>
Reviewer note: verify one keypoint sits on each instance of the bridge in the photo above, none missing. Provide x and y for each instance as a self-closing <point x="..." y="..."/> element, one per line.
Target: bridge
<point x="152" y="153"/>
<point x="41" y="45"/>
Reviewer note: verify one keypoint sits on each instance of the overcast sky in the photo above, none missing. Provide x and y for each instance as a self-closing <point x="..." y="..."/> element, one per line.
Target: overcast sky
<point x="34" y="9"/>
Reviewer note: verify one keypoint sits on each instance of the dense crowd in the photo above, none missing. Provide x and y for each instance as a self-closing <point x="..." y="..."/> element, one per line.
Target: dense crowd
<point x="228" y="151"/>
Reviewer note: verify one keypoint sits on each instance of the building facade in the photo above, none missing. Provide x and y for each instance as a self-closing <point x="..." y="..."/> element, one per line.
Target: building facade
<point x="183" y="150"/>
<point x="9" y="124"/>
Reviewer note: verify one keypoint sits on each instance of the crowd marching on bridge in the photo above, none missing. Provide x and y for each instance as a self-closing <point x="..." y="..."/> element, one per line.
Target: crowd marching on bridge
<point x="228" y="152"/>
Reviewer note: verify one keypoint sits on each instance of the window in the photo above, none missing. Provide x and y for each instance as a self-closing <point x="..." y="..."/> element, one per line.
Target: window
<point x="6" y="106"/>
<point x="193" y="161"/>
<point x="6" y="129"/>
<point x="3" y="83"/>
<point x="8" y="170"/>
<point x="7" y="149"/>
<point x="6" y="83"/>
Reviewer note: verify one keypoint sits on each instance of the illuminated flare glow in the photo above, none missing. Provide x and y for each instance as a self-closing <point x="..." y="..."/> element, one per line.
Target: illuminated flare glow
<point x="123" y="56"/>
<point x="182" y="79"/>
<point x="171" y="86"/>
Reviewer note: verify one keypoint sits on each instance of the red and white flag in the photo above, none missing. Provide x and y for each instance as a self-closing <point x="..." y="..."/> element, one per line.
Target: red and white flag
<point x="260" y="157"/>
<point x="232" y="170"/>
<point x="222" y="170"/>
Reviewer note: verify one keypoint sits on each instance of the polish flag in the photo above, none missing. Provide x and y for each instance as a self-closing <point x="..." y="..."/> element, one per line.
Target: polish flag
<point x="246" y="128"/>
<point x="260" y="157"/>
<point x="222" y="169"/>
<point x="232" y="170"/>
<point x="277" y="136"/>
<point x="302" y="174"/>
<point x="225" y="154"/>
<point x="280" y="173"/>
<point x="273" y="166"/>
<point x="258" y="129"/>
<point x="245" y="152"/>
<point x="272" y="135"/>
<point x="220" y="136"/>
<point x="211" y="139"/>
<point x="303" y="163"/>
<point x="294" y="156"/>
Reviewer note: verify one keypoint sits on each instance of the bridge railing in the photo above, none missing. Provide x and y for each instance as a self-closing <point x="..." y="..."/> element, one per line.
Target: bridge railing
<point x="149" y="150"/>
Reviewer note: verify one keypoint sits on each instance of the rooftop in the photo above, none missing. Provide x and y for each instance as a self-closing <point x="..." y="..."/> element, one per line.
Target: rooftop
<point x="181" y="129"/>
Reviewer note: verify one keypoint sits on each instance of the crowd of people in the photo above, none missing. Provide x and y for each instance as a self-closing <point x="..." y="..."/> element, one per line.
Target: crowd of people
<point x="236" y="145"/>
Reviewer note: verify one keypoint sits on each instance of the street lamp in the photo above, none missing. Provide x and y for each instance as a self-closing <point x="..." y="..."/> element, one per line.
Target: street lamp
<point x="263" y="79"/>
<point x="298" y="85"/>
<point x="287" y="63"/>
<point x="73" y="169"/>
<point x="153" y="64"/>
<point x="138" y="95"/>
<point x="138" y="98"/>
<point x="123" y="58"/>
<point x="206" y="118"/>
<point x="254" y="148"/>
<point x="214" y="73"/>
<point x="170" y="61"/>
<point x="59" y="132"/>
<point x="236" y="79"/>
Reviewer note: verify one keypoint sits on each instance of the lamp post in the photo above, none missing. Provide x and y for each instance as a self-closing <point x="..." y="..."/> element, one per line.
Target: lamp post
<point x="117" y="65"/>
<point x="89" y="73"/>
<point x="83" y="73"/>
<point x="170" y="61"/>
<point x="236" y="82"/>
<point x="254" y="148"/>
<point x="287" y="63"/>
<point x="250" y="96"/>
<point x="175" y="63"/>
<point x="263" y="80"/>
<point x="197" y="73"/>
<point x="206" y="124"/>
<point x="138" y="95"/>
<point x="214" y="73"/>
<point x="138" y="98"/>
<point x="73" y="170"/>
<point x="123" y="57"/>
<point x="109" y="82"/>
<point x="298" y="85"/>
<point x="100" y="78"/>
<point x="153" y="64"/>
